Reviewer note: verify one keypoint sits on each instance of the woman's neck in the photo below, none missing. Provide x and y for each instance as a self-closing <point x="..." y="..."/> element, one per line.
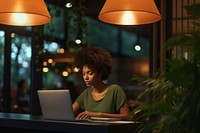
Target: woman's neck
<point x="101" y="87"/>
<point x="99" y="91"/>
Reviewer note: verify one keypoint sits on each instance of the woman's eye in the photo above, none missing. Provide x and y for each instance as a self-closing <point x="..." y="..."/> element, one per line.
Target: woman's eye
<point x="90" y="73"/>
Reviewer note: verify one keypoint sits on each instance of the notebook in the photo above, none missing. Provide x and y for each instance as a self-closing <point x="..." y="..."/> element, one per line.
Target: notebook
<point x="56" y="104"/>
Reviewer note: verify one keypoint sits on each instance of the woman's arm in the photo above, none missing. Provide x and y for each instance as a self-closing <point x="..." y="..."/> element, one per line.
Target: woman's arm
<point x="123" y="115"/>
<point x="76" y="108"/>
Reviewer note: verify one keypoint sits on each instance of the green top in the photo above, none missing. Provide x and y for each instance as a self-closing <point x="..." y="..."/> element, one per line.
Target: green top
<point x="111" y="102"/>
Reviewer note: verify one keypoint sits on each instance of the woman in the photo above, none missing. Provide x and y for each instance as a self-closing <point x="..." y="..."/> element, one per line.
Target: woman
<point x="99" y="99"/>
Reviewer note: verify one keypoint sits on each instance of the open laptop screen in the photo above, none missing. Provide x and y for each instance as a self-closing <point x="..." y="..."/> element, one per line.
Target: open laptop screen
<point x="56" y="104"/>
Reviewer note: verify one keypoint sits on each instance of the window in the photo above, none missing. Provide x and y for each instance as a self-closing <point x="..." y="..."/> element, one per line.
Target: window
<point x="2" y="36"/>
<point x="101" y="34"/>
<point x="115" y="40"/>
<point x="129" y="39"/>
<point x="20" y="70"/>
<point x="56" y="27"/>
<point x="50" y="77"/>
<point x="182" y="24"/>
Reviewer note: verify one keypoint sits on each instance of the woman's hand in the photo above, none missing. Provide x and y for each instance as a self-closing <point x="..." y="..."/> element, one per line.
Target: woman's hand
<point x="87" y="115"/>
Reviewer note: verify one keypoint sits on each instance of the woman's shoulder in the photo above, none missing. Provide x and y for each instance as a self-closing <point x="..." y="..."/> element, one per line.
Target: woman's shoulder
<point x="115" y="87"/>
<point x="87" y="90"/>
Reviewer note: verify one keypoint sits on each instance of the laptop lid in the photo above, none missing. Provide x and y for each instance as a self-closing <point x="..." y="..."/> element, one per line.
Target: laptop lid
<point x="56" y="104"/>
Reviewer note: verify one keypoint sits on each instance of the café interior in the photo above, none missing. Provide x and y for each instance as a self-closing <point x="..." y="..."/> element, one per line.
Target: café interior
<point x="40" y="50"/>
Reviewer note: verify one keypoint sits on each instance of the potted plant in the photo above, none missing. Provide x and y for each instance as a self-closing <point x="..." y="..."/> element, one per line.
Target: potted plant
<point x="174" y="105"/>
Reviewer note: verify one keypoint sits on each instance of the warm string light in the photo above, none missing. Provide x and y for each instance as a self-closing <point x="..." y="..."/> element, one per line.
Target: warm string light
<point x="76" y="69"/>
<point x="68" y="5"/>
<point x="51" y="62"/>
<point x="61" y="51"/>
<point x="78" y="41"/>
<point x="64" y="73"/>
<point x="45" y="63"/>
<point x="138" y="47"/>
<point x="45" y="69"/>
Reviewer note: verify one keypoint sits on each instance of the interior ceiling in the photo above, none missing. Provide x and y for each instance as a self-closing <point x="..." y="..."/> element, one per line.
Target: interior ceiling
<point x="93" y="8"/>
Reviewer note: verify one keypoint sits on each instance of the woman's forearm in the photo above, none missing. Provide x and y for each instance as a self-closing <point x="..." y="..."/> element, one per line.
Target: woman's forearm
<point x="121" y="116"/>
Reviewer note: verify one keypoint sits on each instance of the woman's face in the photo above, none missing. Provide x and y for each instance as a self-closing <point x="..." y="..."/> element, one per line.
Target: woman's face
<point x="91" y="76"/>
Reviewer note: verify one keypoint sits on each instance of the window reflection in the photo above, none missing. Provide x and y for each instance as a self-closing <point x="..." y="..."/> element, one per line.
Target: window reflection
<point x="20" y="73"/>
<point x="50" y="47"/>
<point x="128" y="42"/>
<point x="55" y="27"/>
<point x="2" y="35"/>
<point x="101" y="34"/>
<point x="50" y="78"/>
<point x="115" y="40"/>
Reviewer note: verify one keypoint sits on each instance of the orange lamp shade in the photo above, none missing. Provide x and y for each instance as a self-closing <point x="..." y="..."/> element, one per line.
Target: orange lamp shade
<point x="129" y="12"/>
<point x="24" y="12"/>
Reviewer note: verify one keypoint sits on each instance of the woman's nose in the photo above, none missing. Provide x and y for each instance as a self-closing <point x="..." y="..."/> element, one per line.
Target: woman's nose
<point x="86" y="77"/>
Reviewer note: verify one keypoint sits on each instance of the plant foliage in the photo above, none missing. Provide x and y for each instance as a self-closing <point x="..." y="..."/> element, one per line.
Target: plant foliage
<point x="174" y="105"/>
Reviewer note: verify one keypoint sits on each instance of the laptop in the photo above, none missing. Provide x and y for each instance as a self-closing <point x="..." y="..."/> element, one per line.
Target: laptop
<point x="56" y="104"/>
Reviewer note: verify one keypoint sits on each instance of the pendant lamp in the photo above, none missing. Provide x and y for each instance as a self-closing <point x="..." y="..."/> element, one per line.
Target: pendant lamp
<point x="24" y="12"/>
<point x="129" y="12"/>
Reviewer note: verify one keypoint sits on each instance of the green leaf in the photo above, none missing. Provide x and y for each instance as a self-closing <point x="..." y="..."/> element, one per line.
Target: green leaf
<point x="182" y="74"/>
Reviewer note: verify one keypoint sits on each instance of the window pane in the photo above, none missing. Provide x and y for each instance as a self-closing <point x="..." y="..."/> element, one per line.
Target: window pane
<point x="55" y="27"/>
<point x="2" y="36"/>
<point x="102" y="35"/>
<point x="50" y="78"/>
<point x="51" y="47"/>
<point x="128" y="43"/>
<point x="20" y="70"/>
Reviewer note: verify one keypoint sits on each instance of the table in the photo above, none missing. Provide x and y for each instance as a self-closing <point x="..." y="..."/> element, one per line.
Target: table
<point x="11" y="122"/>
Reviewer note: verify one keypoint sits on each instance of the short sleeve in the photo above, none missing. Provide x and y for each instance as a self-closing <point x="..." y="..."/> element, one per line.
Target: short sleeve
<point x="120" y="96"/>
<point x="80" y="100"/>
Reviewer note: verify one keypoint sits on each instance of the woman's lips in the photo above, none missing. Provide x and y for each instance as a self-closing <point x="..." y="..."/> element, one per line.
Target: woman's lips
<point x="87" y="82"/>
